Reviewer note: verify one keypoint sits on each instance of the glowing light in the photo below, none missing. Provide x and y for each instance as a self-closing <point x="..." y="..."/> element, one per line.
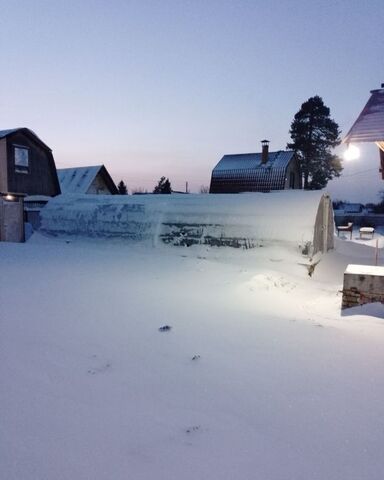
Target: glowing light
<point x="9" y="197"/>
<point x="352" y="153"/>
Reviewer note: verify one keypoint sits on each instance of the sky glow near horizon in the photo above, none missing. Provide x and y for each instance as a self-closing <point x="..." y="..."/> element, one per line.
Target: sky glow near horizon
<point x="166" y="88"/>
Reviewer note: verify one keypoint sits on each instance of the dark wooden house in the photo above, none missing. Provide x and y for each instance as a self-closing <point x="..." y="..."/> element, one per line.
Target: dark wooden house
<point x="91" y="180"/>
<point x="26" y="164"/>
<point x="256" y="172"/>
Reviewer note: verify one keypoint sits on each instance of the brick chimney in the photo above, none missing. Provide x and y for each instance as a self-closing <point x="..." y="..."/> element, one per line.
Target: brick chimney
<point x="264" y="151"/>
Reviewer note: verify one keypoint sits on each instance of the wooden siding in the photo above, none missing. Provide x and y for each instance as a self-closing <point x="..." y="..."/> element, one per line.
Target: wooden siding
<point x="3" y="166"/>
<point x="41" y="178"/>
<point x="293" y="167"/>
<point x="99" y="186"/>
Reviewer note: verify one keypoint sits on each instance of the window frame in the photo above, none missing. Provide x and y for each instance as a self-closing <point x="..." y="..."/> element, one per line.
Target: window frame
<point x="25" y="169"/>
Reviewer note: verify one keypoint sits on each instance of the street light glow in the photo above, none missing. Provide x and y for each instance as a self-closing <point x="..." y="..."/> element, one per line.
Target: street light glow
<point x="352" y="153"/>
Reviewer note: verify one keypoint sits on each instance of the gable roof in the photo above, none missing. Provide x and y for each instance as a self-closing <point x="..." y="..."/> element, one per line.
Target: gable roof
<point x="245" y="161"/>
<point x="28" y="131"/>
<point x="246" y="172"/>
<point x="369" y="126"/>
<point x="79" y="179"/>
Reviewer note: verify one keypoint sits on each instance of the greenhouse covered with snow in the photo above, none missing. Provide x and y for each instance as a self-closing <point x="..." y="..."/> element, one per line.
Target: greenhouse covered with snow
<point x="302" y="218"/>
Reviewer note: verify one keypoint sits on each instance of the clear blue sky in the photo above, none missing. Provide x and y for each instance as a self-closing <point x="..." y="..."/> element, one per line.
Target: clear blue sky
<point x="153" y="88"/>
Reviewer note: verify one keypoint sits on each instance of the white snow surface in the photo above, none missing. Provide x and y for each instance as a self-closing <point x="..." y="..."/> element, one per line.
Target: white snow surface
<point x="365" y="270"/>
<point x="285" y="216"/>
<point x="282" y="385"/>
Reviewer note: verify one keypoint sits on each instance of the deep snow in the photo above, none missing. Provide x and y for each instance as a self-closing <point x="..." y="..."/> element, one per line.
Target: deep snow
<point x="282" y="385"/>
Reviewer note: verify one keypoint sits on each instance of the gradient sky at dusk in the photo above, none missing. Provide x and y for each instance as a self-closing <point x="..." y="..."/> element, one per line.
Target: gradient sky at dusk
<point x="153" y="88"/>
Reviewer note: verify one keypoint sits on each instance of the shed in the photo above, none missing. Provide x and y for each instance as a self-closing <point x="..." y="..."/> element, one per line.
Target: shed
<point x="256" y="172"/>
<point x="302" y="219"/>
<point x="32" y="207"/>
<point x="27" y="165"/>
<point x="90" y="180"/>
<point x="11" y="217"/>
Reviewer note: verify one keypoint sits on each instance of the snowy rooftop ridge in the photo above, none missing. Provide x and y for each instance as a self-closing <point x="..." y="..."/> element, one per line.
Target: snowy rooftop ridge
<point x="10" y="131"/>
<point x="245" y="161"/>
<point x="78" y="179"/>
<point x="369" y="126"/>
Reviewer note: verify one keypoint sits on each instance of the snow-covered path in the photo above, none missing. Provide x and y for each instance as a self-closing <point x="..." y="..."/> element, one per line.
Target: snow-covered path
<point x="282" y="386"/>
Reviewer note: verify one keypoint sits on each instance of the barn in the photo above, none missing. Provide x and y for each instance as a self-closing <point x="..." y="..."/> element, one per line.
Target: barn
<point x="256" y="172"/>
<point x="90" y="180"/>
<point x="300" y="219"/>
<point x="27" y="165"/>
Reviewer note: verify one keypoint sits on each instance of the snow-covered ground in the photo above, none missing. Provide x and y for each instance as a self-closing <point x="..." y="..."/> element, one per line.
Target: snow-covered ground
<point x="260" y="376"/>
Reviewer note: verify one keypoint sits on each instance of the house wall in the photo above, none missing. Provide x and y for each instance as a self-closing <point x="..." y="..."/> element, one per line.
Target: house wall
<point x="41" y="178"/>
<point x="293" y="167"/>
<point x="98" y="186"/>
<point x="3" y="166"/>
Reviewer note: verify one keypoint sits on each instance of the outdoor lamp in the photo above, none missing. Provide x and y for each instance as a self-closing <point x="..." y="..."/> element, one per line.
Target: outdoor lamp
<point x="351" y="153"/>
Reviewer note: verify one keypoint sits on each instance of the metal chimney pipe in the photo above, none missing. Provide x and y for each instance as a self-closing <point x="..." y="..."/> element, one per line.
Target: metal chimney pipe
<point x="264" y="151"/>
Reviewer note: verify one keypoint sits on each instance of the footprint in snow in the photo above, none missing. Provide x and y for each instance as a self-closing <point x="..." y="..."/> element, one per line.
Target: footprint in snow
<point x="103" y="367"/>
<point x="165" y="328"/>
<point x="192" y="429"/>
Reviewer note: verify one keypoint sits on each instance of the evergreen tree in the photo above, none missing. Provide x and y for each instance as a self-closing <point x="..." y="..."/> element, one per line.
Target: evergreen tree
<point x="314" y="133"/>
<point x="122" y="188"/>
<point x="163" y="186"/>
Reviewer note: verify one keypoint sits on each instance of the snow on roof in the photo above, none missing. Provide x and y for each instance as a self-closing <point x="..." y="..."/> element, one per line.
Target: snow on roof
<point x="287" y="216"/>
<point x="77" y="180"/>
<point x="37" y="198"/>
<point x="353" y="207"/>
<point x="369" y="126"/>
<point x="365" y="270"/>
<point x="246" y="161"/>
<point x="5" y="133"/>
<point x="248" y="172"/>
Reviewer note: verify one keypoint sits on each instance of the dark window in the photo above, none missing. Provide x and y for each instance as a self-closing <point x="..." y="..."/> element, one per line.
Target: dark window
<point x="292" y="180"/>
<point x="21" y="159"/>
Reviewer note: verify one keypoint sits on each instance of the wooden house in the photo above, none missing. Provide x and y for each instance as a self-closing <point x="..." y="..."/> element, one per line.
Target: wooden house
<point x="91" y="180"/>
<point x="369" y="125"/>
<point x="27" y="165"/>
<point x="256" y="172"/>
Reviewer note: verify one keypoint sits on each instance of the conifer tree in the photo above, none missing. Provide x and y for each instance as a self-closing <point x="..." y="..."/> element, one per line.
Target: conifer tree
<point x="122" y="188"/>
<point x="314" y="134"/>
<point x="163" y="186"/>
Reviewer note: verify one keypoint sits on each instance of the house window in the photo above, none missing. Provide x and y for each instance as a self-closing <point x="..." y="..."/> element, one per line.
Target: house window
<point x="292" y="180"/>
<point x="21" y="159"/>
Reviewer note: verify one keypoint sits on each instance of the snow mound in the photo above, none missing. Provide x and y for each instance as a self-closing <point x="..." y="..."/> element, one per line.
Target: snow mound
<point x="271" y="282"/>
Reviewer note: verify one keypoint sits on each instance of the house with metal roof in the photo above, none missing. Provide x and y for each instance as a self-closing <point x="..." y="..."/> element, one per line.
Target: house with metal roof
<point x="256" y="172"/>
<point x="369" y="125"/>
<point x="90" y="180"/>
<point x="27" y="165"/>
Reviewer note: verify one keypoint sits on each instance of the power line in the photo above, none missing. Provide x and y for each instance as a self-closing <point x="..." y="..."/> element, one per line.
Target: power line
<point x="360" y="172"/>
